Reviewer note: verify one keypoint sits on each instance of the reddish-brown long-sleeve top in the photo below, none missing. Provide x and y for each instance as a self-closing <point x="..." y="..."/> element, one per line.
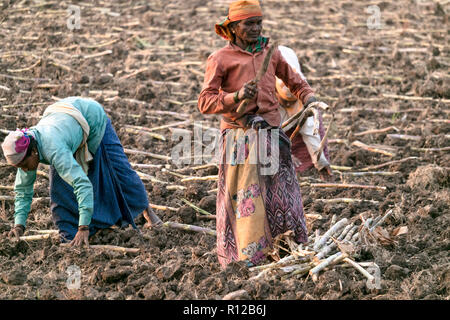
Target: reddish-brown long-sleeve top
<point x="229" y="68"/>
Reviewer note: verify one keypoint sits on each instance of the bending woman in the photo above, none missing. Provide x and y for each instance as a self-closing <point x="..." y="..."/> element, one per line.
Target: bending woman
<point x="92" y="184"/>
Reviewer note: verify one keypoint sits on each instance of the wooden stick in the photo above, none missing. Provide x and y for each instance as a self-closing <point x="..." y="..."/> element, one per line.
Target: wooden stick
<point x="22" y="105"/>
<point x="394" y="96"/>
<point x="431" y="149"/>
<point x="236" y="295"/>
<point x="149" y="106"/>
<point x="179" y="175"/>
<point x="260" y="275"/>
<point x="46" y="231"/>
<point x="282" y="261"/>
<point x="170" y="125"/>
<point x="64" y="67"/>
<point x="346" y="200"/>
<point x="298" y="270"/>
<point x="282" y="264"/>
<point x="35" y="237"/>
<point x="355" y="237"/>
<point x="299" y="115"/>
<point x="24" y="79"/>
<point x="205" y="178"/>
<point x="404" y="137"/>
<point x="385" y="111"/>
<point x="114" y="248"/>
<point x="439" y="120"/>
<point x="294" y="267"/>
<point x="376" y="131"/>
<point x="153" y="155"/>
<point x="199" y="210"/>
<point x="327" y="262"/>
<point x="380" y="221"/>
<point x="165" y="208"/>
<point x="317" y="237"/>
<point x="340" y="168"/>
<point x="176" y="187"/>
<point x="345" y="76"/>
<point x="360" y="269"/>
<point x="345" y="232"/>
<point x="342" y="141"/>
<point x="350" y="234"/>
<point x="188" y="227"/>
<point x="150" y="178"/>
<point x="323" y="240"/>
<point x="107" y="247"/>
<point x="344" y="185"/>
<point x="295" y="132"/>
<point x="99" y="54"/>
<point x="364" y="146"/>
<point x="370" y="173"/>
<point x="326" y="250"/>
<point x="301" y="121"/>
<point x="389" y="163"/>
<point x="205" y="166"/>
<point x="47" y="86"/>
<point x="152" y="134"/>
<point x="42" y="173"/>
<point x="259" y="75"/>
<point x="333" y="219"/>
<point x="146" y="166"/>
<point x="136" y="72"/>
<point x="205" y="217"/>
<point x="100" y="45"/>
<point x="368" y="222"/>
<point x="25" y="69"/>
<point x="313" y="216"/>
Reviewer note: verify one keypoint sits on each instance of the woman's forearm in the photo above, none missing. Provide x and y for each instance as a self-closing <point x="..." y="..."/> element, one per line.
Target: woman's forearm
<point x="24" y="191"/>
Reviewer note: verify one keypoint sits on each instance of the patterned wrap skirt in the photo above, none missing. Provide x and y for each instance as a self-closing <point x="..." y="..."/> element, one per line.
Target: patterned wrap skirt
<point x="256" y="202"/>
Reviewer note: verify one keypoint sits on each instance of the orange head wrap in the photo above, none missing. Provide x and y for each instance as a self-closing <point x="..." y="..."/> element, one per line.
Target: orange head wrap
<point x="238" y="10"/>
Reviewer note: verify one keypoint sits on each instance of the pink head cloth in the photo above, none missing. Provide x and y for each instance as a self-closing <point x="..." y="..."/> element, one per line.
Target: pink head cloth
<point x="15" y="146"/>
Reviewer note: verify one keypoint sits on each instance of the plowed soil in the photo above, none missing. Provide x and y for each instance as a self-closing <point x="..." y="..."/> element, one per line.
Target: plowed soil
<point x="144" y="62"/>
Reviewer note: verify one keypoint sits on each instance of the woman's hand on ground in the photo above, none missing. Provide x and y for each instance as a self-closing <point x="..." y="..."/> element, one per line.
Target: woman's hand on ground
<point x="326" y="174"/>
<point x="82" y="237"/>
<point x="16" y="232"/>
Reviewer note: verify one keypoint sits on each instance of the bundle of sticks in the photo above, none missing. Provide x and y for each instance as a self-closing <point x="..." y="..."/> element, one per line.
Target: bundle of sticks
<point x="337" y="245"/>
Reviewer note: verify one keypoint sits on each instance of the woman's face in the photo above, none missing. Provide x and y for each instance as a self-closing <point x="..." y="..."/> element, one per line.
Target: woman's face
<point x="30" y="163"/>
<point x="249" y="30"/>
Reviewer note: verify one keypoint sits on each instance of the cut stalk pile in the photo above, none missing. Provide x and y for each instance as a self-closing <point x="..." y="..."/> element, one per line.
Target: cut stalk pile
<point x="337" y="245"/>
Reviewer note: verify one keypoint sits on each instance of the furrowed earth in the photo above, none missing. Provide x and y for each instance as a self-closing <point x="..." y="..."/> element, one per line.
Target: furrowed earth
<point x="144" y="61"/>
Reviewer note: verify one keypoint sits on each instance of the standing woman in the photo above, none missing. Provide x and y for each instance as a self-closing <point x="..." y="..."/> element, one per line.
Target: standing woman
<point x="252" y="207"/>
<point x="92" y="185"/>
